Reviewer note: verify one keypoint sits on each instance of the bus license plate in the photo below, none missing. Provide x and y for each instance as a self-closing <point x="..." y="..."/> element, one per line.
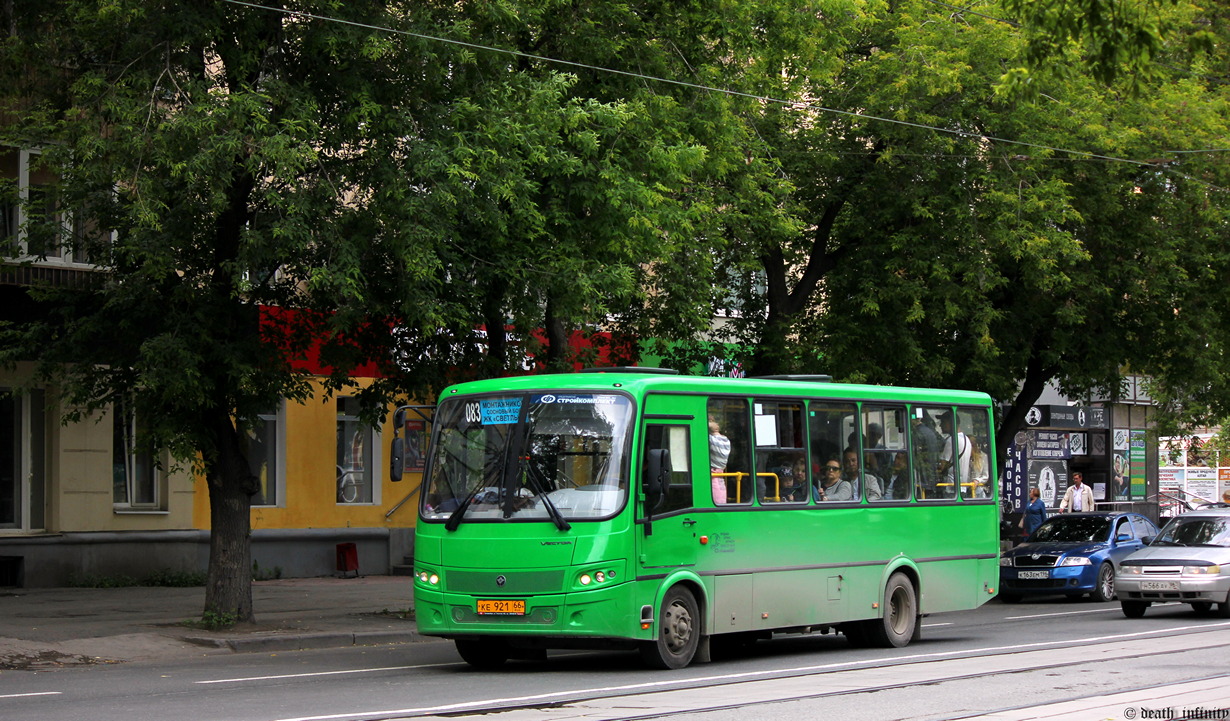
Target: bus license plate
<point x="501" y="607"/>
<point x="1159" y="585"/>
<point x="1033" y="574"/>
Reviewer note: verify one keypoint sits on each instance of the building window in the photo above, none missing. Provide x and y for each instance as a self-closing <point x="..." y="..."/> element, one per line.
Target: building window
<point x="356" y="460"/>
<point x="134" y="472"/>
<point x="267" y="456"/>
<point x="22" y="468"/>
<point x="34" y="223"/>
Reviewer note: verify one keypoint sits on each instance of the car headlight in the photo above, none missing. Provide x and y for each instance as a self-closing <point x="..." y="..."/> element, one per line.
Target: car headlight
<point x="1007" y="561"/>
<point x="1132" y="570"/>
<point x="1201" y="570"/>
<point x="1076" y="561"/>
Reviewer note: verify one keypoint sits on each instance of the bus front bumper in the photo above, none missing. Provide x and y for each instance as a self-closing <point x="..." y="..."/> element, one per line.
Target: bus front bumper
<point x="601" y="613"/>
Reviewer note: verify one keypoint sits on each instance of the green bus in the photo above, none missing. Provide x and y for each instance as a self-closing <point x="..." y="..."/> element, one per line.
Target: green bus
<point x="636" y="508"/>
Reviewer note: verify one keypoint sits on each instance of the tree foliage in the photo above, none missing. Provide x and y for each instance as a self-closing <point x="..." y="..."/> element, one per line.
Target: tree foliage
<point x="952" y="237"/>
<point x="388" y="192"/>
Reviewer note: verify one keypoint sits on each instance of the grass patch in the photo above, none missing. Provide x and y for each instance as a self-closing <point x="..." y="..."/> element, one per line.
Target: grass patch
<point x="165" y="578"/>
<point x="212" y="621"/>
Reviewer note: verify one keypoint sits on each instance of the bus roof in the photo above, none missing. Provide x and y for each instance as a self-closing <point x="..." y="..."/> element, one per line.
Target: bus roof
<point x="649" y="381"/>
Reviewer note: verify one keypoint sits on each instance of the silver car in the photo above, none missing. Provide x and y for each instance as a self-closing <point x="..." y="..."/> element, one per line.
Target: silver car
<point x="1188" y="562"/>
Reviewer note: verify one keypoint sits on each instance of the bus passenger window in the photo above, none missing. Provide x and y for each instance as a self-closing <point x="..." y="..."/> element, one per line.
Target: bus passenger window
<point x="779" y="432"/>
<point x="927" y="442"/>
<point x="885" y="436"/>
<point x="832" y="427"/>
<point x="730" y="466"/>
<point x="975" y="423"/>
<point x="954" y="456"/>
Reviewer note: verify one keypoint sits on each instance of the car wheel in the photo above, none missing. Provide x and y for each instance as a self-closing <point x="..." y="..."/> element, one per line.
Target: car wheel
<point x="1202" y="607"/>
<point x="1134" y="609"/>
<point x="1105" y="588"/>
<point x="1223" y="608"/>
<point x="678" y="632"/>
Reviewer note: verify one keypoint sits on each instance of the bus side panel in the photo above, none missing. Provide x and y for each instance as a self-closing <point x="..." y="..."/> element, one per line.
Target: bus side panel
<point x="788" y="599"/>
<point x="732" y="603"/>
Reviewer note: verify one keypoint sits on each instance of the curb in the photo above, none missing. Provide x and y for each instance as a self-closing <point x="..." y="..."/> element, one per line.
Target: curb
<point x="305" y="641"/>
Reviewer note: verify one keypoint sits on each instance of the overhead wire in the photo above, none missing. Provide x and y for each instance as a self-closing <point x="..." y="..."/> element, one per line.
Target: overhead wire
<point x="1161" y="165"/>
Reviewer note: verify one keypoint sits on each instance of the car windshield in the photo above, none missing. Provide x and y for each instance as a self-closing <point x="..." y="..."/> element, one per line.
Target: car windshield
<point x="1195" y="531"/>
<point x="533" y="456"/>
<point x="1072" y="529"/>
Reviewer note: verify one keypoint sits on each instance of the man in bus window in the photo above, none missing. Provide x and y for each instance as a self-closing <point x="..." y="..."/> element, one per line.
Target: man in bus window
<point x="719" y="454"/>
<point x="947" y="468"/>
<point x="852" y="473"/>
<point x="832" y="486"/>
<point x="927" y="445"/>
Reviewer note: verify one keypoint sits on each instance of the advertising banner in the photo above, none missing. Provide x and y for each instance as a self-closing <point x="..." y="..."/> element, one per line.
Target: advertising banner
<point x="1137" y="460"/>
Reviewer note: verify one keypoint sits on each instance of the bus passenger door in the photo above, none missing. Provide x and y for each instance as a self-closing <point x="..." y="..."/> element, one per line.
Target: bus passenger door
<point x="669" y="536"/>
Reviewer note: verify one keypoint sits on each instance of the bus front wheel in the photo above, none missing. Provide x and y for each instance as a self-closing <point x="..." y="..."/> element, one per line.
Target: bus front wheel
<point x="897" y="627"/>
<point x="678" y="631"/>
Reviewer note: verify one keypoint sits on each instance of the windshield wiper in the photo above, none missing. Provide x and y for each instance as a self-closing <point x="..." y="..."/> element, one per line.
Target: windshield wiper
<point x="455" y="519"/>
<point x="552" y="511"/>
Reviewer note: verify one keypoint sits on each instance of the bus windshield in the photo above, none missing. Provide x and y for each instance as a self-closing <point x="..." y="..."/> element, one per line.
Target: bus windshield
<point x="531" y="456"/>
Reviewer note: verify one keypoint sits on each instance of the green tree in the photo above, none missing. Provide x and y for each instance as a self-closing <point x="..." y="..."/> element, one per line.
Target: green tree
<point x="935" y="253"/>
<point x="386" y="192"/>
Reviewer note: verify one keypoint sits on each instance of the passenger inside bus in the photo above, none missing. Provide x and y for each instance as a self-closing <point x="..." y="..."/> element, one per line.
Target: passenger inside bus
<point x="832" y="486"/>
<point x="853" y="473"/>
<point x="719" y="453"/>
<point x="788" y="482"/>
<point x="898" y="483"/>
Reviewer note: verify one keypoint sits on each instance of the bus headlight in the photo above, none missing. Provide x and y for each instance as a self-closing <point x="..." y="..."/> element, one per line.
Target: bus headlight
<point x="428" y="578"/>
<point x="596" y="577"/>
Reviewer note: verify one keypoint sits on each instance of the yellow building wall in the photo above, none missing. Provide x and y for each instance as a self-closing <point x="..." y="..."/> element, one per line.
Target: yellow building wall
<point x="309" y="498"/>
<point x="77" y="477"/>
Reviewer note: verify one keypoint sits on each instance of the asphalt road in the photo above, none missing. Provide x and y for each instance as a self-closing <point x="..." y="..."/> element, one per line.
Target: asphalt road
<point x="1051" y="658"/>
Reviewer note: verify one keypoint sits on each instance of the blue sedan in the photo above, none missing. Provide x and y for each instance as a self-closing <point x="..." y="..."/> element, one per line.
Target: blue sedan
<point x="1073" y="554"/>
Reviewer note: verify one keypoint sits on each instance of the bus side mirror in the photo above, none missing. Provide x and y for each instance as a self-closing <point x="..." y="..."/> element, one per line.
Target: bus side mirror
<point x="657" y="476"/>
<point x="397" y="459"/>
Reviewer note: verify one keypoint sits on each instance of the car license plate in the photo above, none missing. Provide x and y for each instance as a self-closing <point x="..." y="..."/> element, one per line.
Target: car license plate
<point x="501" y="607"/>
<point x="1033" y="574"/>
<point x="1159" y="585"/>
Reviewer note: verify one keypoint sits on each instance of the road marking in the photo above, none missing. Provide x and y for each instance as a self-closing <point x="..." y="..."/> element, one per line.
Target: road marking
<point x="1061" y="613"/>
<point x="39" y="693"/>
<point x="602" y="691"/>
<point x="325" y="673"/>
<point x="1073" y="613"/>
<point x="933" y="625"/>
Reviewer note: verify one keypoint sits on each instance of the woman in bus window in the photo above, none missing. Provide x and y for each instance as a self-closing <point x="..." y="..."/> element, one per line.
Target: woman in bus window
<point x="832" y="486"/>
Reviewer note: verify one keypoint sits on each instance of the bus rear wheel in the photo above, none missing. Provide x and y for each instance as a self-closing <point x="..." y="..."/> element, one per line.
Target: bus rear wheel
<point x="483" y="653"/>
<point x="900" y="622"/>
<point x="678" y="632"/>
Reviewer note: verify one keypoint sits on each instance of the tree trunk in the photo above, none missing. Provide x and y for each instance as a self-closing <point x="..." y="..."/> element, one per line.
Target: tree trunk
<point x="556" y="331"/>
<point x="228" y="586"/>
<point x="1036" y="378"/>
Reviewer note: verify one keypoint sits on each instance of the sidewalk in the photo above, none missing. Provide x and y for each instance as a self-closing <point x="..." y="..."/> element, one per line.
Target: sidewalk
<point x="50" y="627"/>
